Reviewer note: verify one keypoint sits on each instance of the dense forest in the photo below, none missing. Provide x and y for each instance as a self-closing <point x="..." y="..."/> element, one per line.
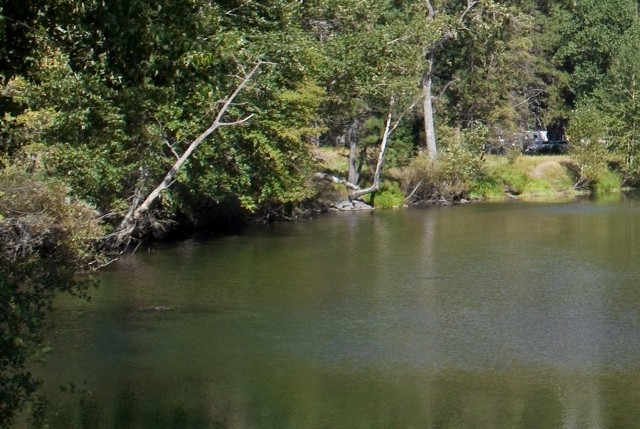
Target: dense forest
<point x="121" y="119"/>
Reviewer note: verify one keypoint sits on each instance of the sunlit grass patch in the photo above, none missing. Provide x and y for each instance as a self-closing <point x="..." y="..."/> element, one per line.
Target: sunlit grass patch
<point x="332" y="159"/>
<point x="527" y="175"/>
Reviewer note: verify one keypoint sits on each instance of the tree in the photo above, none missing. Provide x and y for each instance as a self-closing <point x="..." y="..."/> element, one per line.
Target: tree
<point x="372" y="55"/>
<point x="444" y="31"/>
<point x="492" y="73"/>
<point x="479" y="67"/>
<point x="590" y="134"/>
<point x="595" y="50"/>
<point x="619" y="99"/>
<point x="120" y="88"/>
<point x="587" y="38"/>
<point x="131" y="221"/>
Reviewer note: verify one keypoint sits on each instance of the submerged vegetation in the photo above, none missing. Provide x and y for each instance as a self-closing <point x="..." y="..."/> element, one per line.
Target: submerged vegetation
<point x="125" y="120"/>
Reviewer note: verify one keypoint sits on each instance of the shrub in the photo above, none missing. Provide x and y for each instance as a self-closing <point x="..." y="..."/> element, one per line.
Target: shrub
<point x="390" y="195"/>
<point x="588" y="131"/>
<point x="450" y="177"/>
<point x="45" y="239"/>
<point x="487" y="187"/>
<point x="513" y="179"/>
<point x="525" y="175"/>
<point x="609" y="181"/>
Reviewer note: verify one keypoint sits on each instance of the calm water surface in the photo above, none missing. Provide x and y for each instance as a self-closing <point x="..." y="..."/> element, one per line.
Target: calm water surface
<point x="519" y="315"/>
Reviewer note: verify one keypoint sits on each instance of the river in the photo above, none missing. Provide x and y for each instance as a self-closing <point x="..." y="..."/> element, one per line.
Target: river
<point x="508" y="315"/>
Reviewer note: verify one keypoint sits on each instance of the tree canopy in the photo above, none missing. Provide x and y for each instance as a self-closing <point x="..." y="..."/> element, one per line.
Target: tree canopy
<point x="104" y="95"/>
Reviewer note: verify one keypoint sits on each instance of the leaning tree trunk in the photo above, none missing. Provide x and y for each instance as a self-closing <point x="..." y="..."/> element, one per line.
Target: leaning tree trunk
<point x="427" y="92"/>
<point x="131" y="222"/>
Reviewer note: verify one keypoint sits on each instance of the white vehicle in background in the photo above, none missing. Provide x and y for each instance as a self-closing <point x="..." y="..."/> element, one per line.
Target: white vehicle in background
<point x="537" y="143"/>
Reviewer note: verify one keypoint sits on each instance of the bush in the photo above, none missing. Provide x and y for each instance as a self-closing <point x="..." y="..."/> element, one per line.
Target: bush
<point x="588" y="131"/>
<point x="513" y="179"/>
<point x="609" y="181"/>
<point x="450" y="177"/>
<point x="487" y="187"/>
<point x="390" y="195"/>
<point x="45" y="239"/>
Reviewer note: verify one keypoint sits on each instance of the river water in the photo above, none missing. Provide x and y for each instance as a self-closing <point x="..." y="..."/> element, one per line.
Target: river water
<point x="522" y="315"/>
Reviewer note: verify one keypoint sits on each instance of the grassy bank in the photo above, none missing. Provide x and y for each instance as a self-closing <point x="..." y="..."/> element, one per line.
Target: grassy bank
<point x="493" y="178"/>
<point x="526" y="177"/>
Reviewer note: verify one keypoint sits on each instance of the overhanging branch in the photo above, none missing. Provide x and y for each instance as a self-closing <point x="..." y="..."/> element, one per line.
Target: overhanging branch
<point x="131" y="219"/>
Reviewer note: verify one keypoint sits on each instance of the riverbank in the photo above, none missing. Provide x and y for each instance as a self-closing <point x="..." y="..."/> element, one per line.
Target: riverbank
<point x="527" y="177"/>
<point x="496" y="178"/>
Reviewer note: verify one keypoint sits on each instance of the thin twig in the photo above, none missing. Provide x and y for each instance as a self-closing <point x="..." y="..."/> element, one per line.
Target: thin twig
<point x="446" y="86"/>
<point x="470" y="5"/>
<point x="540" y="91"/>
<point x="230" y="12"/>
<point x="406" y="200"/>
<point x="134" y="250"/>
<point x="238" y="122"/>
<point x="172" y="149"/>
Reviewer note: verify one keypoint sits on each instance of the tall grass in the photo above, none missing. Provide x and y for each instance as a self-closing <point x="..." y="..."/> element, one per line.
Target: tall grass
<point x="524" y="176"/>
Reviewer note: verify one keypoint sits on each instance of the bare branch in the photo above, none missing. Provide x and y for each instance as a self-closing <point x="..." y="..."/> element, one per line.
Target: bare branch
<point x="431" y="13"/>
<point x="408" y="109"/>
<point x="136" y="249"/>
<point x="399" y="39"/>
<point x="95" y="267"/>
<point x="336" y="180"/>
<point x="470" y="5"/>
<point x="539" y="91"/>
<point x="235" y="93"/>
<point x="230" y="12"/>
<point x="130" y="221"/>
<point x="238" y="122"/>
<point x="383" y="150"/>
<point x="446" y="86"/>
<point x="413" y="192"/>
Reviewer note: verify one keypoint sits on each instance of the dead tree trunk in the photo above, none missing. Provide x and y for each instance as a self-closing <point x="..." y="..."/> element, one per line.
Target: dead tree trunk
<point x="122" y="237"/>
<point x="381" y="155"/>
<point x="427" y="103"/>
<point x="354" y="190"/>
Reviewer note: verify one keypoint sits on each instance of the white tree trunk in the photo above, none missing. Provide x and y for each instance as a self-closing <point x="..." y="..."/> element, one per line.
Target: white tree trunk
<point x="427" y="102"/>
<point x="427" y="80"/>
<point x="354" y="190"/>
<point x="381" y="155"/>
<point x="130" y="222"/>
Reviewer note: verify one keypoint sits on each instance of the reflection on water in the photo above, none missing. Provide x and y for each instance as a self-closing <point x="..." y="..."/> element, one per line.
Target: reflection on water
<point x="485" y="316"/>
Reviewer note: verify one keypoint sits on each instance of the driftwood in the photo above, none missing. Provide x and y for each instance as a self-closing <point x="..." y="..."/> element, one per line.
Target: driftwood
<point x="334" y="179"/>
